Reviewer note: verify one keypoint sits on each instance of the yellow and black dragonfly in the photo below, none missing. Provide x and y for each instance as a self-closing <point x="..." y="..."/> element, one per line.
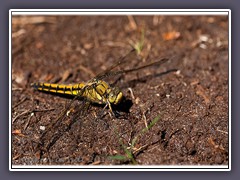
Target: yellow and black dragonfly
<point x="95" y="90"/>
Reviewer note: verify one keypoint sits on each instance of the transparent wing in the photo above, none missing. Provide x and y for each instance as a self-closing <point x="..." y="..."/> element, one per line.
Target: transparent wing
<point x="129" y="56"/>
<point x="122" y="60"/>
<point x="74" y="110"/>
<point x="113" y="73"/>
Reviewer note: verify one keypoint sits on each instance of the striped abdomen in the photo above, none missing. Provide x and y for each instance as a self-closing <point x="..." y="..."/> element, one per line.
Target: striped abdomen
<point x="59" y="88"/>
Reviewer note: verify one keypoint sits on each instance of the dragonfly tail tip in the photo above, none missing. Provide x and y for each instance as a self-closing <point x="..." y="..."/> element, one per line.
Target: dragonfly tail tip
<point x="34" y="85"/>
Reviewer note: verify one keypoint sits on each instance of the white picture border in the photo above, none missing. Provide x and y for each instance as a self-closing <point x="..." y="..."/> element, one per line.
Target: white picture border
<point x="187" y="12"/>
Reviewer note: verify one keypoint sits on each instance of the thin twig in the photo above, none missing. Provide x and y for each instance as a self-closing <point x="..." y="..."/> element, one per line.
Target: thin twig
<point x="20" y="102"/>
<point x="23" y="113"/>
<point x="32" y="20"/>
<point x="29" y="111"/>
<point x="86" y="70"/>
<point x="225" y="132"/>
<point x="145" y="120"/>
<point x="28" y="122"/>
<point x="17" y="89"/>
<point x="132" y="22"/>
<point x="43" y="110"/>
<point x="131" y="93"/>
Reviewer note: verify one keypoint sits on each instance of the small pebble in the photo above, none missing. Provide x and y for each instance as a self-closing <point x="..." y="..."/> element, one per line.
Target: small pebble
<point x="203" y="38"/>
<point x="203" y="46"/>
<point x="42" y="128"/>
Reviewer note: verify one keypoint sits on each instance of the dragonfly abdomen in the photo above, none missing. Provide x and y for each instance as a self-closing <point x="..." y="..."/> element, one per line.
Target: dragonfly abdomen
<point x="58" y="88"/>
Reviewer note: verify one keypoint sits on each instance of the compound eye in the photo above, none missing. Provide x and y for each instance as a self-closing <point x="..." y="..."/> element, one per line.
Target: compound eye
<point x="111" y="97"/>
<point x="115" y="96"/>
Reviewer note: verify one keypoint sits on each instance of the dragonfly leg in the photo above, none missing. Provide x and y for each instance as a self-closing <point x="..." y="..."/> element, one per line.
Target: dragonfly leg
<point x="112" y="114"/>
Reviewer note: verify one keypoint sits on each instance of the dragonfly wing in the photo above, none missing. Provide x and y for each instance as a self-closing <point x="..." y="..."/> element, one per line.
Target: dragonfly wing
<point x="122" y="60"/>
<point x="114" y="73"/>
<point x="128" y="57"/>
<point x="71" y="113"/>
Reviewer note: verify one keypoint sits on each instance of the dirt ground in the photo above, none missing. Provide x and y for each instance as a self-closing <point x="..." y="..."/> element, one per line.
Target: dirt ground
<point x="173" y="114"/>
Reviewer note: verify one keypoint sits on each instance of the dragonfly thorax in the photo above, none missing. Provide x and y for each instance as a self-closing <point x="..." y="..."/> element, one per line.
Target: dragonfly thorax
<point x="100" y="92"/>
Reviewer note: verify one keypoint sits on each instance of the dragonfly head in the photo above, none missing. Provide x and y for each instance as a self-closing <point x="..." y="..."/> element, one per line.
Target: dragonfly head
<point x="115" y="95"/>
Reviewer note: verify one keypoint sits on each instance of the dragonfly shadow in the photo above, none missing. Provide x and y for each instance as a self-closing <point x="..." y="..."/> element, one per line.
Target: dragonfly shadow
<point x="124" y="105"/>
<point x="144" y="79"/>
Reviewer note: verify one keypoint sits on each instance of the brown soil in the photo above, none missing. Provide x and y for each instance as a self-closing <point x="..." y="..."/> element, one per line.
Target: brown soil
<point x="188" y="94"/>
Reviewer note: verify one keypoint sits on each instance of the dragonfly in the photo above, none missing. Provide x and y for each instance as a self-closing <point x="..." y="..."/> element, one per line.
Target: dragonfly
<point x="96" y="90"/>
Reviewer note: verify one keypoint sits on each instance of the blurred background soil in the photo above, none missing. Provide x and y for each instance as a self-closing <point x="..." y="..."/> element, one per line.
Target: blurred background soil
<point x="187" y="97"/>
